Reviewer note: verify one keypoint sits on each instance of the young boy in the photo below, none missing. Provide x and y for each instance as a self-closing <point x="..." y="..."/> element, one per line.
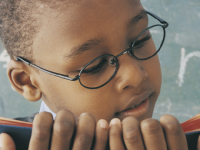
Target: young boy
<point x="107" y="46"/>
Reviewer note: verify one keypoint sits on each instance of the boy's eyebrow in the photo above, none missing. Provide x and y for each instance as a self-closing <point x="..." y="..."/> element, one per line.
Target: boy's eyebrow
<point x="86" y="46"/>
<point x="93" y="42"/>
<point x="135" y="19"/>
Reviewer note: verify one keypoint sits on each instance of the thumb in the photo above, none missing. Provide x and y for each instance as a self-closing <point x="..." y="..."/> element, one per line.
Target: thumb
<point x="6" y="142"/>
<point x="198" y="143"/>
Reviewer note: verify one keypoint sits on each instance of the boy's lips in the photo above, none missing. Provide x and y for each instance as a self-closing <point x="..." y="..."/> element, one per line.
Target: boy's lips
<point x="138" y="110"/>
<point x="137" y="107"/>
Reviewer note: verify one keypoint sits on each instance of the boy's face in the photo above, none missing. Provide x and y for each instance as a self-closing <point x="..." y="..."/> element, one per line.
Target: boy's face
<point x="108" y="22"/>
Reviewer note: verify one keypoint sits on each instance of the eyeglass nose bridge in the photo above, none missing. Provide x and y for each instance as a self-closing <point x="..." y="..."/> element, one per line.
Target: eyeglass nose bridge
<point x="113" y="60"/>
<point x="124" y="52"/>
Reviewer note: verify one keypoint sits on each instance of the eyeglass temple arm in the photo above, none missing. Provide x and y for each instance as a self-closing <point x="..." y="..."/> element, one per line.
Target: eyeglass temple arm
<point x="47" y="71"/>
<point x="159" y="19"/>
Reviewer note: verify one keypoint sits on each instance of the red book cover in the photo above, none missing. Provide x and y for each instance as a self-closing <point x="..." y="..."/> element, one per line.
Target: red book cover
<point x="12" y="122"/>
<point x="192" y="124"/>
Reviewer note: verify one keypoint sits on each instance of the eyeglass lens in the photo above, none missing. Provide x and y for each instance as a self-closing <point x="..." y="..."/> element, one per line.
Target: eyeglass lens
<point x="148" y="42"/>
<point x="98" y="72"/>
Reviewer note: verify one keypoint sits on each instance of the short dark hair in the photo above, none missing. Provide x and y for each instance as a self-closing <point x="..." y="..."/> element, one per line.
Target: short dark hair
<point x="20" y="22"/>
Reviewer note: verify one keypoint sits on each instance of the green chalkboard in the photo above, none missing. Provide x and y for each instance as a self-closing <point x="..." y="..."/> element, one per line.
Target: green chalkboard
<point x="179" y="57"/>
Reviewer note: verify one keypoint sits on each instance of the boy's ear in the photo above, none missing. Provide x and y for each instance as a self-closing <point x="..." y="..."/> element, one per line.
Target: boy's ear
<point x="19" y="76"/>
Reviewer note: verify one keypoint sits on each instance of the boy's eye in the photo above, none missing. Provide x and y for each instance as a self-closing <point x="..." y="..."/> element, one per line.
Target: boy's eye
<point x="94" y="67"/>
<point x="140" y="43"/>
<point x="142" y="48"/>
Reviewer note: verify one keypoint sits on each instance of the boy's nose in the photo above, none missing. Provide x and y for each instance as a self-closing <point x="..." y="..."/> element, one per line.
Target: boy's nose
<point x="130" y="73"/>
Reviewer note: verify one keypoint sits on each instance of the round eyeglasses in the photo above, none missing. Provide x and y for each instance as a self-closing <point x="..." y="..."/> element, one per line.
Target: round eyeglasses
<point x="102" y="69"/>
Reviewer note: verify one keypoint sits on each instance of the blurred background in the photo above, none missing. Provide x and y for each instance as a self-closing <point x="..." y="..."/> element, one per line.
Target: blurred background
<point x="179" y="57"/>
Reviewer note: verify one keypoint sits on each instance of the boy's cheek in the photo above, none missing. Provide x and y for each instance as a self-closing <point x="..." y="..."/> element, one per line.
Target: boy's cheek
<point x="155" y="74"/>
<point x="78" y="102"/>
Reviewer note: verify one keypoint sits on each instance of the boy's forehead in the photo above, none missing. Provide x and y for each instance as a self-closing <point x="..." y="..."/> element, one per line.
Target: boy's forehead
<point x="89" y="3"/>
<point x="75" y="10"/>
<point x="73" y="19"/>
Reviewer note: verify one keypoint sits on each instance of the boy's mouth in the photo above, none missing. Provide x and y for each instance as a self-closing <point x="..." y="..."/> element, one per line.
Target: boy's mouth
<point x="138" y="107"/>
<point x="136" y="110"/>
<point x="134" y="106"/>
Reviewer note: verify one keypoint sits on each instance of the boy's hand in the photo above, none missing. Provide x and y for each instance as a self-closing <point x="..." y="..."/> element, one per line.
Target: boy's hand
<point x="150" y="134"/>
<point x="65" y="135"/>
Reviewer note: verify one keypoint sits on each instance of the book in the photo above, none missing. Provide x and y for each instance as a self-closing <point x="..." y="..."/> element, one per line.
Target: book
<point x="20" y="131"/>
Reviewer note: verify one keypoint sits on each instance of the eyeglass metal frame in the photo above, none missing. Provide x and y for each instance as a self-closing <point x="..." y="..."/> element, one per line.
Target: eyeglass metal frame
<point x="163" y="24"/>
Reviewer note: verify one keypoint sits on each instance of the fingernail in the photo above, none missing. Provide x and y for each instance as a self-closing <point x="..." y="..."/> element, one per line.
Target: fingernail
<point x="103" y="124"/>
<point x="114" y="121"/>
<point x="81" y="115"/>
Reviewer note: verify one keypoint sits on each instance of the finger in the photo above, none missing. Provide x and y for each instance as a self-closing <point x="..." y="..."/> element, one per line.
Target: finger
<point x="115" y="135"/>
<point x="101" y="135"/>
<point x="198" y="144"/>
<point x="42" y="126"/>
<point x="6" y="142"/>
<point x="175" y="136"/>
<point x="62" y="130"/>
<point x="85" y="132"/>
<point x="153" y="135"/>
<point x="131" y="134"/>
